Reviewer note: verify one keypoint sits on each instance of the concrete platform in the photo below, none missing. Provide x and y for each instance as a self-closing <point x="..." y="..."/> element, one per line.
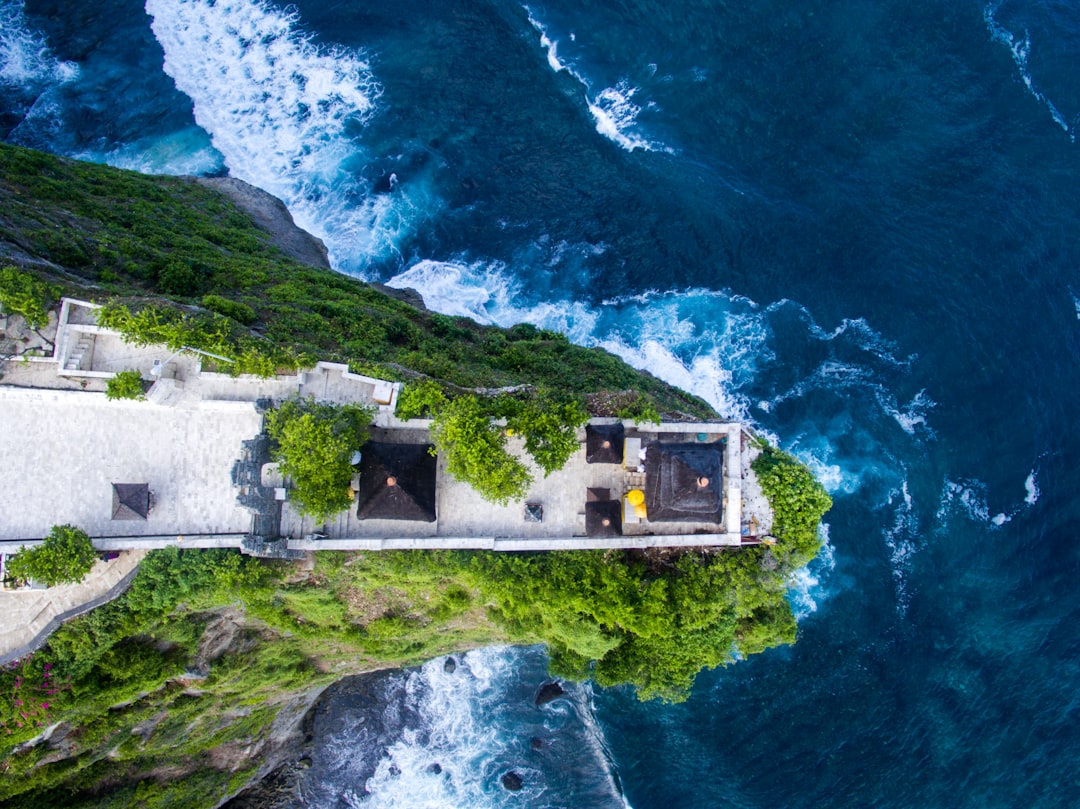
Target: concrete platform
<point x="62" y="450"/>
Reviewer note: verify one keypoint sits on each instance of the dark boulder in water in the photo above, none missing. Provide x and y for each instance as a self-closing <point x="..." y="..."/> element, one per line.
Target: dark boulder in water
<point x="450" y="666"/>
<point x="548" y="692"/>
<point x="536" y="743"/>
<point x="434" y="768"/>
<point x="512" y="781"/>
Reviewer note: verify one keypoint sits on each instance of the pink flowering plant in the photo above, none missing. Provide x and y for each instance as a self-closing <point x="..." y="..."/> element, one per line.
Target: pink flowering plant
<point x="30" y="695"/>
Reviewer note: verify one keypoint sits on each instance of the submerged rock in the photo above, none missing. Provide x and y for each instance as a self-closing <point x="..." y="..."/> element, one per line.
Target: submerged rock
<point x="512" y="781"/>
<point x="549" y="692"/>
<point x="450" y="666"/>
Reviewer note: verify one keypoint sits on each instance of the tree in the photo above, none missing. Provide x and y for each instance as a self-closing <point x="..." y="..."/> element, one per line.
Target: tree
<point x="65" y="556"/>
<point x="125" y="385"/>
<point x="315" y="444"/>
<point x="548" y="423"/>
<point x="475" y="451"/>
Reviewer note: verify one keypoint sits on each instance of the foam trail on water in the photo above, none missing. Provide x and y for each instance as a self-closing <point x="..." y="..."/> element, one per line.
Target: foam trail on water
<point x="1020" y="48"/>
<point x="612" y="108"/>
<point x="806" y="588"/>
<point x="653" y="332"/>
<point x="1032" y="489"/>
<point x="902" y="540"/>
<point x="284" y="112"/>
<point x="969" y="498"/>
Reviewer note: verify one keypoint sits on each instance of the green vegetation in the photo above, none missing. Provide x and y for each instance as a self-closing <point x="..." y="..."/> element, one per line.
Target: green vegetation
<point x="23" y="294"/>
<point x="548" y="423"/>
<point x="475" y="447"/>
<point x="315" y="444"/>
<point x="157" y="324"/>
<point x="798" y="503"/>
<point x="123" y="236"/>
<point x="421" y="399"/>
<point x="475" y="451"/>
<point x="125" y="385"/>
<point x="154" y="719"/>
<point x="169" y="691"/>
<point x="66" y="556"/>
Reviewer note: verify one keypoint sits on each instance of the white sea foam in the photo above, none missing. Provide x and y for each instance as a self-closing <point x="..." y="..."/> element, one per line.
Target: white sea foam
<point x="187" y="152"/>
<point x="968" y="497"/>
<point x="26" y="62"/>
<point x="1032" y="489"/>
<point x="698" y="340"/>
<point x="902" y="540"/>
<point x="612" y="108"/>
<point x="1020" y="48"/>
<point x="285" y="113"/>
<point x="806" y="588"/>
<point x="465" y="728"/>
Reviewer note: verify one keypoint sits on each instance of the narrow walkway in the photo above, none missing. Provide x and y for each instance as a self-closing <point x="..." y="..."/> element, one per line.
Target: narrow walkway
<point x="30" y="616"/>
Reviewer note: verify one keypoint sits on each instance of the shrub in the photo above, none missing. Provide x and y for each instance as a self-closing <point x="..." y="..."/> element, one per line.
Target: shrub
<point x="475" y="451"/>
<point x="798" y="502"/>
<point x="548" y="423"/>
<point x="66" y="556"/>
<point x="315" y="444"/>
<point x="125" y="385"/>
<point x="639" y="410"/>
<point x="420" y="399"/>
<point x="23" y="294"/>
<point x="240" y="312"/>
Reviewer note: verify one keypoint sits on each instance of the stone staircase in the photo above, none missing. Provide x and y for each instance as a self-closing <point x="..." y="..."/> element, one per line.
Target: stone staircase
<point x="75" y="357"/>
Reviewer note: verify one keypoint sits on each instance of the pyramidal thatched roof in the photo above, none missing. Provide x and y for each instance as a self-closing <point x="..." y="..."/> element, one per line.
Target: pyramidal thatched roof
<point x="397" y="482"/>
<point x="130" y="501"/>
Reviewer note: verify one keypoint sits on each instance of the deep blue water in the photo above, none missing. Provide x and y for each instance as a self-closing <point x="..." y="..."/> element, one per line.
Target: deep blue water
<point x="853" y="224"/>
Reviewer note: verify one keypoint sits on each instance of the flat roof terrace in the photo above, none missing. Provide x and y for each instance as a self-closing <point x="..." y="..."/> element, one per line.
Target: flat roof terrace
<point x="465" y="519"/>
<point x="63" y="450"/>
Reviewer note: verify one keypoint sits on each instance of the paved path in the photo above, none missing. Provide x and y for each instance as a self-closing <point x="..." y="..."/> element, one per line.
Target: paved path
<point x="30" y="616"/>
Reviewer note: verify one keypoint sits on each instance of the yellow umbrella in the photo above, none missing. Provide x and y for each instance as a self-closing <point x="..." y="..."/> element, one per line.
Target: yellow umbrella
<point x="635" y="497"/>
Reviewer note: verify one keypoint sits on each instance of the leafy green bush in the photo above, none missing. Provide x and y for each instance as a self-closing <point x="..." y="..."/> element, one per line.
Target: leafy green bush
<point x="163" y="325"/>
<point x="798" y="502"/>
<point x="548" y="423"/>
<point x="66" y="556"/>
<point x="315" y="444"/>
<point x="240" y="312"/>
<point x="475" y="451"/>
<point x="125" y="385"/>
<point x="23" y="294"/>
<point x="420" y="399"/>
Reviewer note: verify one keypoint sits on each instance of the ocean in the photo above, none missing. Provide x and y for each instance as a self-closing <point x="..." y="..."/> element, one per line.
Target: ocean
<point x="852" y="225"/>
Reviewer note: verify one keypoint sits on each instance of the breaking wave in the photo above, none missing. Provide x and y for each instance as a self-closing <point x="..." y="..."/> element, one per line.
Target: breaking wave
<point x="286" y="113"/>
<point x="1020" y="48"/>
<point x="612" y="108"/>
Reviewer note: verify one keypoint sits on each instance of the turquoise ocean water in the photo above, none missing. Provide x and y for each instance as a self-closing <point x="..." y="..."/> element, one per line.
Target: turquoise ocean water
<point x="852" y="224"/>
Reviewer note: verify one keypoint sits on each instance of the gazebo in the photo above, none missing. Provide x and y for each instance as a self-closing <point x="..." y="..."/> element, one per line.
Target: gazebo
<point x="683" y="482"/>
<point x="603" y="518"/>
<point x="397" y="482"/>
<point x="130" y="501"/>
<point x="604" y="443"/>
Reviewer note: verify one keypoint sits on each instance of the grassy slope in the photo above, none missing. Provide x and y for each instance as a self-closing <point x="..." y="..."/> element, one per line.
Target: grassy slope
<point x="104" y="233"/>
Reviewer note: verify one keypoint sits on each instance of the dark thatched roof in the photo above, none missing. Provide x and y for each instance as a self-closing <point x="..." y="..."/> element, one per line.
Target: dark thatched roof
<point x="130" y="501"/>
<point x="604" y="443"/>
<point x="683" y="482"/>
<point x="397" y="482"/>
<point x="603" y="518"/>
